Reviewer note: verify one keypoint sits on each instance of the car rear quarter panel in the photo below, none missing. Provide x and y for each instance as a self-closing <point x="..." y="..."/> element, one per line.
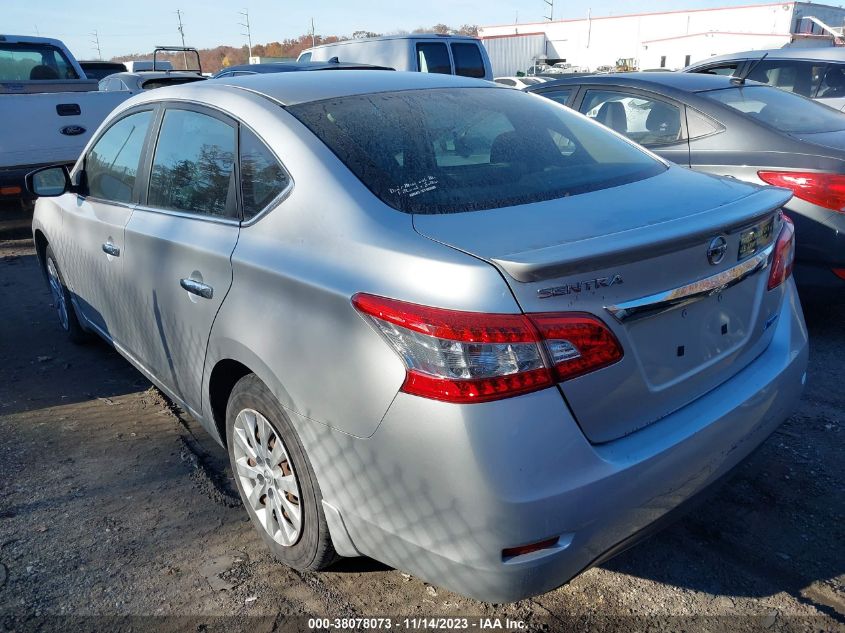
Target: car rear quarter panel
<point x="289" y="317"/>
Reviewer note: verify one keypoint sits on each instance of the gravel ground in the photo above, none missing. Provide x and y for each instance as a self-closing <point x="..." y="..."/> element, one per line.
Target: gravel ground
<point x="118" y="512"/>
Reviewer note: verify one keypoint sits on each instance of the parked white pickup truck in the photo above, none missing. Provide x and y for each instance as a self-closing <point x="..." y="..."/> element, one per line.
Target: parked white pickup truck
<point x="48" y="109"/>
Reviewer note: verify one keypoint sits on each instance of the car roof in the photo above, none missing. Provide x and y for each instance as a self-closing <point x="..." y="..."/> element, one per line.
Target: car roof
<point x="282" y="67"/>
<point x="295" y="88"/>
<point x="156" y="74"/>
<point x="687" y="82"/>
<point x="404" y="36"/>
<point x="828" y="53"/>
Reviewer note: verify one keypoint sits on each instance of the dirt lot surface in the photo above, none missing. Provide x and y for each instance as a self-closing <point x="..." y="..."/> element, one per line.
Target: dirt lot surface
<point x="114" y="504"/>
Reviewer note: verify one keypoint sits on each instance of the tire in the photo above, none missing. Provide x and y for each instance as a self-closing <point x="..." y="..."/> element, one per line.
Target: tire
<point x="68" y="320"/>
<point x="252" y="407"/>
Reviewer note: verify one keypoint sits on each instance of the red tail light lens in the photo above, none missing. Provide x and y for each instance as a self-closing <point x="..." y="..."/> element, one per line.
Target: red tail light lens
<point x="477" y="357"/>
<point x="825" y="190"/>
<point x="783" y="258"/>
<point x="839" y="272"/>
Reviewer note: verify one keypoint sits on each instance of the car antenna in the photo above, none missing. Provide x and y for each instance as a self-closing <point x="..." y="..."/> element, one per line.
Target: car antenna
<point x="740" y="80"/>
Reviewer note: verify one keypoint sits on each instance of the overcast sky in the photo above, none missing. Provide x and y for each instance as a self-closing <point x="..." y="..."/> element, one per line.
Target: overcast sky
<point x="137" y="26"/>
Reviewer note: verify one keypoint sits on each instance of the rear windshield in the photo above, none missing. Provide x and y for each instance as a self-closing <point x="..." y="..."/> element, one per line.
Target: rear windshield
<point x="467" y="149"/>
<point x="782" y="110"/>
<point x="24" y="62"/>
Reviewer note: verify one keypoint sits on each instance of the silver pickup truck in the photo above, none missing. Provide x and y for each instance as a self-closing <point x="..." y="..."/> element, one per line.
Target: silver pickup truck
<point x="48" y="109"/>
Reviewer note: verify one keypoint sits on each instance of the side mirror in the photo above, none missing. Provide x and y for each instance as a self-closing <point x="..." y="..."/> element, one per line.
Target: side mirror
<point x="48" y="182"/>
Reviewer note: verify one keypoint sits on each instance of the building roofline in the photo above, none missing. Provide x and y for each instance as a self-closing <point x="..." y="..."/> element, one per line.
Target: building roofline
<point x="636" y="15"/>
<point x="496" y="37"/>
<point x="681" y="37"/>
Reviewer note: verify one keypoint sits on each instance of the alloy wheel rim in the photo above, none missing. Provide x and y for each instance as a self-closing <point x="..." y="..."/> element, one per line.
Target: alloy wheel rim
<point x="58" y="293"/>
<point x="267" y="477"/>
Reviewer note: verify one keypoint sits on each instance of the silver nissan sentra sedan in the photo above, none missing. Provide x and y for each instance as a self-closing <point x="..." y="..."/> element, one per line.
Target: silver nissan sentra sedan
<point x="458" y="328"/>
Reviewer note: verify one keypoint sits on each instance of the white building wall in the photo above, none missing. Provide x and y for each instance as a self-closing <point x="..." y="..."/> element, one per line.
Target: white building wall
<point x="601" y="41"/>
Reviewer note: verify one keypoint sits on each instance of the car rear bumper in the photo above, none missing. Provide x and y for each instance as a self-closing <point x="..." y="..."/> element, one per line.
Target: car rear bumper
<point x="820" y="246"/>
<point x="440" y="490"/>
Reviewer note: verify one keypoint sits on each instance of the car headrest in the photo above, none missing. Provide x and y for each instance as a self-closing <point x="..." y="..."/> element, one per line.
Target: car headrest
<point x="663" y="120"/>
<point x="612" y="114"/>
<point x="504" y="147"/>
<point x="43" y="72"/>
<point x="835" y="78"/>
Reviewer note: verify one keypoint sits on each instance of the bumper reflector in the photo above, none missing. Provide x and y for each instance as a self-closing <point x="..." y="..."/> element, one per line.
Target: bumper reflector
<point x="10" y="191"/>
<point x="510" y="552"/>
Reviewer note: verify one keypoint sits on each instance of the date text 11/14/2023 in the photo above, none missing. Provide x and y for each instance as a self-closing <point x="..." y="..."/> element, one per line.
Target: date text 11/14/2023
<point x="417" y="624"/>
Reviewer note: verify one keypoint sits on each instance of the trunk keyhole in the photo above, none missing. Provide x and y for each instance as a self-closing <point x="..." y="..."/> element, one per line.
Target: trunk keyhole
<point x="681" y="350"/>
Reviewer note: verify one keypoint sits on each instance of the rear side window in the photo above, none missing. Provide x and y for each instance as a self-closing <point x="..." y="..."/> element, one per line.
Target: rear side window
<point x="112" y="164"/>
<point x="726" y="70"/>
<point x="800" y="77"/>
<point x="467" y="149"/>
<point x="24" y="62"/>
<point x="468" y="60"/>
<point x="263" y="179"/>
<point x="193" y="167"/>
<point x="433" y="57"/>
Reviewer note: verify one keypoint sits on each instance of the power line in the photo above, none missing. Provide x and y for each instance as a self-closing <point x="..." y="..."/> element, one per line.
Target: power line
<point x="95" y="44"/>
<point x="182" y="33"/>
<point x="248" y="34"/>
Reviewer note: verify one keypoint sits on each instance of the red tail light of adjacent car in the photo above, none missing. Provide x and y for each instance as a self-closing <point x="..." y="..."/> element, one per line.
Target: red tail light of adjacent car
<point x="825" y="190"/>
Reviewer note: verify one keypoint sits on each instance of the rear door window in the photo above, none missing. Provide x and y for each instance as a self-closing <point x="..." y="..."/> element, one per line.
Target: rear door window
<point x="800" y="77"/>
<point x="112" y="164"/>
<point x="558" y="95"/>
<point x="468" y="60"/>
<point x="194" y="163"/>
<point x="433" y="57"/>
<point x="646" y="120"/>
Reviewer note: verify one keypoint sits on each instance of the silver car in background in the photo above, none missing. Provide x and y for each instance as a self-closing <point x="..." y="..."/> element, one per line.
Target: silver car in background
<point x="455" y="327"/>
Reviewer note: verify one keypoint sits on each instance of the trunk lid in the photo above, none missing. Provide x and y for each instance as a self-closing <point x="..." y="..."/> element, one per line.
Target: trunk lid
<point x="636" y="256"/>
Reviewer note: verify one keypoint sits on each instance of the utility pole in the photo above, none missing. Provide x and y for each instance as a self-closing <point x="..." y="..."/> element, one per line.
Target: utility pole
<point x="181" y="30"/>
<point x="245" y="24"/>
<point x="313" y="40"/>
<point x="95" y="44"/>
<point x="551" y="4"/>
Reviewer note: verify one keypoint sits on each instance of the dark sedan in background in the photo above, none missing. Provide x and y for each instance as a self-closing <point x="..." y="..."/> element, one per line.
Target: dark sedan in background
<point x="745" y="130"/>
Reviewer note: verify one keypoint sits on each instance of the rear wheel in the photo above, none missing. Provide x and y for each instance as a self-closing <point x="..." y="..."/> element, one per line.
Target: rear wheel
<point x="61" y="299"/>
<point x="275" y="478"/>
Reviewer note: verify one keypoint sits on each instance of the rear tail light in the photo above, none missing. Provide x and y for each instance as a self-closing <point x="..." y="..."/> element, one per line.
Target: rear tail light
<point x="476" y="357"/>
<point x="839" y="272"/>
<point x="825" y="190"/>
<point x="784" y="256"/>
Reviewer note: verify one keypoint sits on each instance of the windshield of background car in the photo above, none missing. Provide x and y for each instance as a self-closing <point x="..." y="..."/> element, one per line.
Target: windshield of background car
<point x="782" y="110"/>
<point x="468" y="149"/>
<point x="24" y="62"/>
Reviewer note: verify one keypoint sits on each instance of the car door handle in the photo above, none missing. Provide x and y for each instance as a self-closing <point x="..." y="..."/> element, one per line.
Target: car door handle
<point x="197" y="288"/>
<point x="111" y="249"/>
